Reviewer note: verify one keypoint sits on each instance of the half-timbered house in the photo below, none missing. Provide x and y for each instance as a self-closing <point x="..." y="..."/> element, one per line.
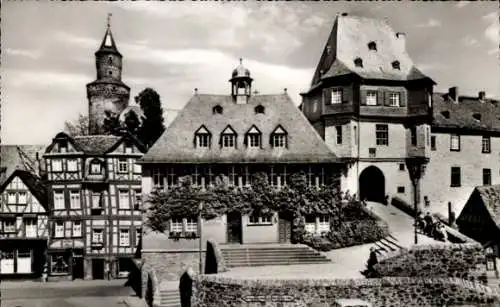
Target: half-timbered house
<point x="95" y="203"/>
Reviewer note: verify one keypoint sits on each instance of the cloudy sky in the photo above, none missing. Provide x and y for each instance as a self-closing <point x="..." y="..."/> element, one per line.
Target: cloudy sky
<point x="48" y="50"/>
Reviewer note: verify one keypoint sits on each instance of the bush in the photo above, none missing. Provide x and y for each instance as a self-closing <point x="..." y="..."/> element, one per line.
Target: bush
<point x="318" y="243"/>
<point x="404" y="206"/>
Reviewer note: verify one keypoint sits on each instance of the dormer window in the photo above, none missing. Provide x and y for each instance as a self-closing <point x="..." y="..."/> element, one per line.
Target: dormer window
<point x="279" y="138"/>
<point x="253" y="138"/>
<point x="63" y="146"/>
<point x="95" y="167"/>
<point x="395" y="65"/>
<point x="228" y="138"/>
<point x="358" y="62"/>
<point x="202" y="137"/>
<point x="217" y="109"/>
<point x="127" y="147"/>
<point x="477" y="116"/>
<point x="259" y="109"/>
<point x="446" y="114"/>
<point x="372" y="46"/>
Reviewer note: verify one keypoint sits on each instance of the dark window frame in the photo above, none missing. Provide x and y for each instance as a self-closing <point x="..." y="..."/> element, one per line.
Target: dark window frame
<point x="382" y="134"/>
<point x="456" y="176"/>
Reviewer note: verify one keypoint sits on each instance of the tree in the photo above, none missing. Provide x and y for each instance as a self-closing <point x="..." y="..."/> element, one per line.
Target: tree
<point x="152" y="122"/>
<point x="77" y="127"/>
<point x="111" y="123"/>
<point x="132" y="123"/>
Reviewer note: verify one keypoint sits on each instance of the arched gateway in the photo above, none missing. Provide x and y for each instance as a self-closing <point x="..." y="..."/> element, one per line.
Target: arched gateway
<point x="372" y="184"/>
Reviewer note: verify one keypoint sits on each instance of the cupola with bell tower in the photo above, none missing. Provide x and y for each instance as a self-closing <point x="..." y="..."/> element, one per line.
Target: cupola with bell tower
<point x="241" y="84"/>
<point x="107" y="95"/>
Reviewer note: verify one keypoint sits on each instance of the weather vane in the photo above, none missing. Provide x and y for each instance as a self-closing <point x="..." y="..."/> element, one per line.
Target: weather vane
<point x="109" y="19"/>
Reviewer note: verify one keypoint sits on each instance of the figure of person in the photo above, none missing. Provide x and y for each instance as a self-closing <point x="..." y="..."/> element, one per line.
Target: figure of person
<point x="372" y="260"/>
<point x="186" y="287"/>
<point x="429" y="224"/>
<point x="107" y="271"/>
<point x="421" y="222"/>
<point x="427" y="202"/>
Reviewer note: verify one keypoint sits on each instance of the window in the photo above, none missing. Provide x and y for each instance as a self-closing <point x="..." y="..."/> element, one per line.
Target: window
<point x="128" y="148"/>
<point x="394" y="99"/>
<point x="339" y="134"/>
<point x="11" y="198"/>
<point x="372" y="152"/>
<point x="336" y="96"/>
<point x="77" y="229"/>
<point x="358" y="62"/>
<point x="59" y="229"/>
<point x="58" y="200"/>
<point x="486" y="176"/>
<point x="433" y="142"/>
<point x="256" y="219"/>
<point x="138" y="234"/>
<point x="63" y="146"/>
<point x="72" y="165"/>
<point x="22" y="198"/>
<point x="372" y="46"/>
<point x="56" y="165"/>
<point x="110" y="60"/>
<point x="228" y="140"/>
<point x="382" y="134"/>
<point x="278" y="140"/>
<point x="217" y="110"/>
<point x="310" y="226"/>
<point x="176" y="225"/>
<point x="455" y="177"/>
<point x="95" y="167"/>
<point x="96" y="200"/>
<point x="137" y="168"/>
<point x="74" y="198"/>
<point x="122" y="166"/>
<point x="401" y="166"/>
<point x="413" y="134"/>
<point x="191" y="225"/>
<point x="371" y="98"/>
<point x="202" y="140"/>
<point x="59" y="264"/>
<point x="138" y="199"/>
<point x="253" y="140"/>
<point x="158" y="178"/>
<point x="123" y="199"/>
<point x="324" y="224"/>
<point x="9" y="225"/>
<point x="396" y="65"/>
<point x="98" y="236"/>
<point x="486" y="144"/>
<point x="401" y="189"/>
<point x="259" y="109"/>
<point x="454" y="142"/>
<point x="124" y="237"/>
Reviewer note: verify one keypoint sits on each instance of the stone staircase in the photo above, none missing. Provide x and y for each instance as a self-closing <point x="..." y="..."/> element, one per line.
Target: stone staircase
<point x="169" y="298"/>
<point x="261" y="255"/>
<point x="493" y="280"/>
<point x="387" y="245"/>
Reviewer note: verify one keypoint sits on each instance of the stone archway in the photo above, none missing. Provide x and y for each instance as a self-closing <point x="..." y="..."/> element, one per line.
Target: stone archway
<point x="372" y="184"/>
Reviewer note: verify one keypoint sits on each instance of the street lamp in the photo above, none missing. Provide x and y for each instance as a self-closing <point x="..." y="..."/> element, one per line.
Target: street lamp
<point x="415" y="168"/>
<point x="200" y="207"/>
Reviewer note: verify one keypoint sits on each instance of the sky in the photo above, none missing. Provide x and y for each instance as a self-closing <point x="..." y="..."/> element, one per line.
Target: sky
<point x="173" y="47"/>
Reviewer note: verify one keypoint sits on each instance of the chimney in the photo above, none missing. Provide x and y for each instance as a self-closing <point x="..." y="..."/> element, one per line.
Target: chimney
<point x="401" y="41"/>
<point x="453" y="93"/>
<point x="482" y="95"/>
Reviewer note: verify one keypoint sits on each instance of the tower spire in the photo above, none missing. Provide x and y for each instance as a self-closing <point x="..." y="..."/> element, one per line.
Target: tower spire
<point x="109" y="20"/>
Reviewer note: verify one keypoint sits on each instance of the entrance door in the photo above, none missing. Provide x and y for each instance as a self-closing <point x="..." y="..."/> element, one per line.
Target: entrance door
<point x="24" y="261"/>
<point x="234" y="227"/>
<point x="372" y="184"/>
<point x="78" y="267"/>
<point x="285" y="229"/>
<point x="98" y="268"/>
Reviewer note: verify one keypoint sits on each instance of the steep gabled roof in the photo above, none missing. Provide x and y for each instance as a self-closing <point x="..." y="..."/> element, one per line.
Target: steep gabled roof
<point x="349" y="40"/>
<point x="176" y="144"/>
<point x="463" y="114"/>
<point x="21" y="157"/>
<point x="490" y="197"/>
<point x="108" y="44"/>
<point x="34" y="184"/>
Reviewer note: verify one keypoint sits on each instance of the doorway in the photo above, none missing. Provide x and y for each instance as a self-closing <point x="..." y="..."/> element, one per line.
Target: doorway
<point x="97" y="268"/>
<point x="285" y="228"/>
<point x="372" y="184"/>
<point x="78" y="267"/>
<point x="234" y="227"/>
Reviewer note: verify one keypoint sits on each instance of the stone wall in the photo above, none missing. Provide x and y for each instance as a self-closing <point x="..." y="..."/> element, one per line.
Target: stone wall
<point x="214" y="253"/>
<point x="466" y="261"/>
<point x="170" y="264"/>
<point x="213" y="290"/>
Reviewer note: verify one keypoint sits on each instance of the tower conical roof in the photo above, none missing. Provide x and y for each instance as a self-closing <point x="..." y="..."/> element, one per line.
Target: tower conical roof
<point x="108" y="43"/>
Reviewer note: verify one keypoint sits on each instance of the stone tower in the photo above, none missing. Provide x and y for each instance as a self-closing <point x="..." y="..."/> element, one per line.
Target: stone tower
<point x="107" y="95"/>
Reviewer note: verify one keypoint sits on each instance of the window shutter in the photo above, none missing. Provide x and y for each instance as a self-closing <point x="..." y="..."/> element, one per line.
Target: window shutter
<point x="380" y="98"/>
<point x="271" y="140"/>
<point x="327" y="96"/>
<point x="346" y="94"/>
<point x="402" y="98"/>
<point x="362" y="97"/>
<point x="387" y="100"/>
<point x="245" y="141"/>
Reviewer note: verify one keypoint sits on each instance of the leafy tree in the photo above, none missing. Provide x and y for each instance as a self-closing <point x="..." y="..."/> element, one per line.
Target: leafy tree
<point x="132" y="123"/>
<point x="77" y="127"/>
<point x="152" y="122"/>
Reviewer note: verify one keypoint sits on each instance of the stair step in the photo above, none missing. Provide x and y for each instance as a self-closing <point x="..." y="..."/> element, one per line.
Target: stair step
<point x="270" y="263"/>
<point x="387" y="245"/>
<point x="274" y="256"/>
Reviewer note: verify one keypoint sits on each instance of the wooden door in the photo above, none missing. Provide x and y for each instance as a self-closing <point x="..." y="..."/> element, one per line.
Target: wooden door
<point x="234" y="227"/>
<point x="284" y="229"/>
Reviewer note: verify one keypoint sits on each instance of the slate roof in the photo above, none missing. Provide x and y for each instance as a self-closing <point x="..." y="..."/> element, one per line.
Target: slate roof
<point x="177" y="142"/>
<point x="490" y="195"/>
<point x="349" y="40"/>
<point x="11" y="158"/>
<point x="108" y="46"/>
<point x="96" y="144"/>
<point x="34" y="184"/>
<point x="461" y="113"/>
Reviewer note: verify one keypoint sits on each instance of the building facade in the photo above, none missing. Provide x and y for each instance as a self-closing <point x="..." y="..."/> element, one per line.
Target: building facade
<point x="379" y="113"/>
<point x="230" y="138"/>
<point x="94" y="188"/>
